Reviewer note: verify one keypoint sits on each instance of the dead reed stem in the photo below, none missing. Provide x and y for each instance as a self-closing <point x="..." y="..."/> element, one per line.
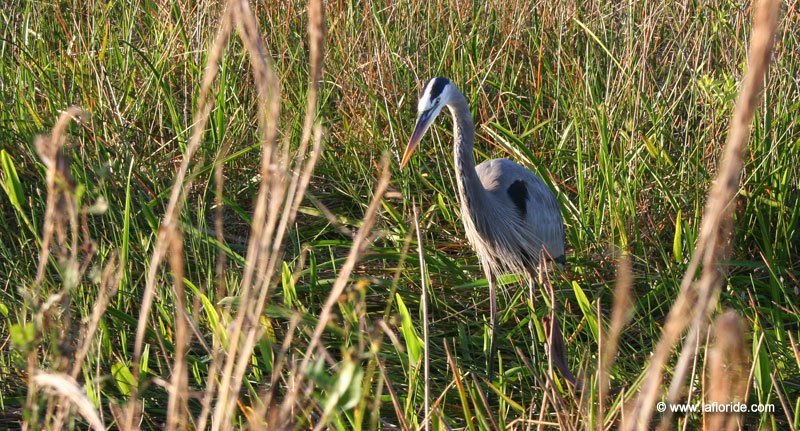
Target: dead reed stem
<point x="67" y="388"/>
<point x="59" y="235"/>
<point x="60" y="213"/>
<point x="176" y="200"/>
<point x="284" y="180"/>
<point x="178" y="402"/>
<point x="620" y="315"/>
<point x="727" y="370"/>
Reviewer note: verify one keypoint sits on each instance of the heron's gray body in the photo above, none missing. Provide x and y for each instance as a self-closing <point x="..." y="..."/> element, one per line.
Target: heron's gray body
<point x="527" y="212"/>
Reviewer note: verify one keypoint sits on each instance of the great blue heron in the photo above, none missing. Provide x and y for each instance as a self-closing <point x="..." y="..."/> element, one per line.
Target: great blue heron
<point x="511" y="217"/>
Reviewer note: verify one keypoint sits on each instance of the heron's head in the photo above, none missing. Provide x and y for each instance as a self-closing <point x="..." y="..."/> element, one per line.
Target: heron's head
<point x="434" y="97"/>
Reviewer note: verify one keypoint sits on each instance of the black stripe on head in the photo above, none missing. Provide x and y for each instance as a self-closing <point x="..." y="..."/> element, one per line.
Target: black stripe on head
<point x="437" y="86"/>
<point x="519" y="195"/>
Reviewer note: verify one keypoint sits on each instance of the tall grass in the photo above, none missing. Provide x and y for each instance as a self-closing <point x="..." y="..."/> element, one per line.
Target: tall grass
<point x="220" y="238"/>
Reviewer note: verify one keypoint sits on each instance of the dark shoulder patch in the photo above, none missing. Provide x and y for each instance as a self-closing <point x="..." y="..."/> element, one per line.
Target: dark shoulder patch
<point x="437" y="85"/>
<point x="518" y="193"/>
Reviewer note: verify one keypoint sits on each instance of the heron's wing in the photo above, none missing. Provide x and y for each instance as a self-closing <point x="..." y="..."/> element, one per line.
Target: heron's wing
<point x="518" y="193"/>
<point x="545" y="213"/>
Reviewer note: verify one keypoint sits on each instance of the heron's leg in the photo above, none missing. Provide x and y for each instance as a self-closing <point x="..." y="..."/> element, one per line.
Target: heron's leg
<point x="555" y="347"/>
<point x="492" y="322"/>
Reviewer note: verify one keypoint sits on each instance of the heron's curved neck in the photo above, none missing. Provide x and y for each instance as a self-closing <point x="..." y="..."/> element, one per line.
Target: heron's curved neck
<point x="470" y="187"/>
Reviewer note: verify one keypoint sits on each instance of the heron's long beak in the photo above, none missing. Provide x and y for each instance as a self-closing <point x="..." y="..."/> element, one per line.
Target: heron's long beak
<point x="423" y="122"/>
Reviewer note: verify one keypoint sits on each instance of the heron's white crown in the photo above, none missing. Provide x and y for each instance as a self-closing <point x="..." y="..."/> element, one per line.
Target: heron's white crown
<point x="435" y="95"/>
